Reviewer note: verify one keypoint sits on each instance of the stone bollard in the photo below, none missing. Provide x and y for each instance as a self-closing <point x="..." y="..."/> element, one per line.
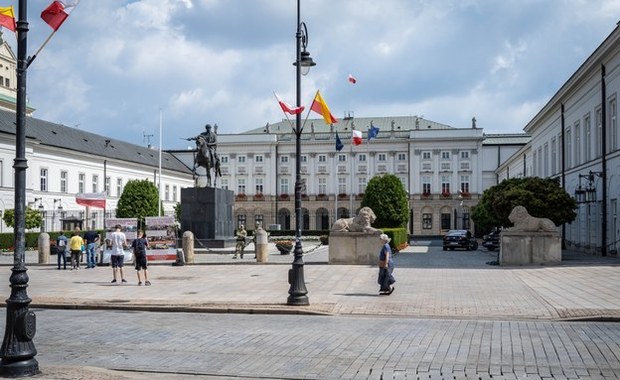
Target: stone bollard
<point x="188" y="247"/>
<point x="261" y="246"/>
<point x="44" y="248"/>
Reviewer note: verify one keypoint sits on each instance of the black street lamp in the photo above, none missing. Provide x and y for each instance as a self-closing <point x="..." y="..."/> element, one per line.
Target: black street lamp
<point x="17" y="352"/>
<point x="298" y="294"/>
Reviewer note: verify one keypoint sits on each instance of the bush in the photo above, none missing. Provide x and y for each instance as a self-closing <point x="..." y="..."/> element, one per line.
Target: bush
<point x="399" y="236"/>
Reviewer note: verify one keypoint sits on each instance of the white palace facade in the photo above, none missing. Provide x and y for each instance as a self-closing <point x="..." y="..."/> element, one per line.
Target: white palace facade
<point x="575" y="138"/>
<point x="443" y="169"/>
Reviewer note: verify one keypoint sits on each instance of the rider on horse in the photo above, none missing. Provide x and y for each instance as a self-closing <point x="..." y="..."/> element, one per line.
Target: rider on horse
<point x="207" y="157"/>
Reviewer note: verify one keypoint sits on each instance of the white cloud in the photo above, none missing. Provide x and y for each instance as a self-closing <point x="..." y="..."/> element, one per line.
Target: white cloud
<point x="114" y="63"/>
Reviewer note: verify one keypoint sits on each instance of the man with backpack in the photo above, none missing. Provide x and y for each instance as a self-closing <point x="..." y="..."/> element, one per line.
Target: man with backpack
<point x="61" y="249"/>
<point x="139" y="246"/>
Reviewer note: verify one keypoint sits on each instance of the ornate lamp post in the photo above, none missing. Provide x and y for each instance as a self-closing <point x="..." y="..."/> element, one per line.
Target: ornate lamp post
<point x="303" y="62"/>
<point x="18" y="351"/>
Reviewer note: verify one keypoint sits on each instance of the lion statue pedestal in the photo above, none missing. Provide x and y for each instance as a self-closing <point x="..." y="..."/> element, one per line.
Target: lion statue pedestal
<point x="532" y="240"/>
<point x="353" y="241"/>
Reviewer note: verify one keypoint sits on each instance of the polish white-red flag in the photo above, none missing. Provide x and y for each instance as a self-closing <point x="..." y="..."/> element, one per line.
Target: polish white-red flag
<point x="287" y="107"/>
<point x="57" y="12"/>
<point x="91" y="199"/>
<point x="356" y="137"/>
<point x="352" y="79"/>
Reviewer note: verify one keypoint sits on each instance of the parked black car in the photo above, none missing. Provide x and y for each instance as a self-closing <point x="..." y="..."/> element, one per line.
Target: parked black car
<point x="459" y="239"/>
<point x="491" y="241"/>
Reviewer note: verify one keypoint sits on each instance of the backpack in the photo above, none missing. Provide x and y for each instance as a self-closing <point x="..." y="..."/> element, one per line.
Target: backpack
<point x="140" y="247"/>
<point x="62" y="243"/>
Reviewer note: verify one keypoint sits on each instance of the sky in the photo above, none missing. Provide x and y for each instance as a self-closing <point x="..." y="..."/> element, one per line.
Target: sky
<point x="116" y="66"/>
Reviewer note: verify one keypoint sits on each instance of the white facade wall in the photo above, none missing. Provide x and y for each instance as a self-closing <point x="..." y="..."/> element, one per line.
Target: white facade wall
<point x="334" y="183"/>
<point x="577" y="150"/>
<point x="55" y="160"/>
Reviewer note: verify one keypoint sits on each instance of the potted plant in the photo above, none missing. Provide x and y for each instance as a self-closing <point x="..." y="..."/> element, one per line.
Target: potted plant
<point x="445" y="194"/>
<point x="284" y="197"/>
<point x="240" y="197"/>
<point x="259" y="197"/>
<point x="284" y="246"/>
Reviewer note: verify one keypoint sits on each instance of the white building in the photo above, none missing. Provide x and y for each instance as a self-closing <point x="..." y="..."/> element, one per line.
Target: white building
<point x="444" y="170"/>
<point x="64" y="161"/>
<point x="575" y="138"/>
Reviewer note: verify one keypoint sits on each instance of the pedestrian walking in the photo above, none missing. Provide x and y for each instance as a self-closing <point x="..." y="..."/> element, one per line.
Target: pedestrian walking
<point x="119" y="242"/>
<point x="75" y="245"/>
<point x="240" y="247"/>
<point x="139" y="245"/>
<point x="386" y="267"/>
<point x="91" y="238"/>
<point x="61" y="249"/>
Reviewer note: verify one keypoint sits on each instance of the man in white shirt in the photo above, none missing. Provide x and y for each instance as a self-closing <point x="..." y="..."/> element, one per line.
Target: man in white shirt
<point x="119" y="241"/>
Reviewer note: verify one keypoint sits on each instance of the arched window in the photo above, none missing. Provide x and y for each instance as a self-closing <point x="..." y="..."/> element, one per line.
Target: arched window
<point x="284" y="218"/>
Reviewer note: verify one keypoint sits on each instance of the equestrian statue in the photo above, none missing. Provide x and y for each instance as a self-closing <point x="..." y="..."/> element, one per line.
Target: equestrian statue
<point x="206" y="155"/>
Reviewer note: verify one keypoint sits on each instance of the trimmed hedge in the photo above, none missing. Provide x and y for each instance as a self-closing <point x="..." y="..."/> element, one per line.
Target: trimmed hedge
<point x="7" y="239"/>
<point x="399" y="236"/>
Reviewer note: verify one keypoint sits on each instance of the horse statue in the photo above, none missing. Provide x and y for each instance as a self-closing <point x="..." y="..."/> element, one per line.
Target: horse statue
<point x="208" y="159"/>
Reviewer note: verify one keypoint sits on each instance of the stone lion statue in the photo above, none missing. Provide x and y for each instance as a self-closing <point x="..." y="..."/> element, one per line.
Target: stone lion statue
<point x="523" y="221"/>
<point x="360" y="223"/>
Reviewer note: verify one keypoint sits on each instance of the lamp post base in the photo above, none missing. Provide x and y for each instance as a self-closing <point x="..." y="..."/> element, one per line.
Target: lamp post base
<point x="18" y="351"/>
<point x="298" y="294"/>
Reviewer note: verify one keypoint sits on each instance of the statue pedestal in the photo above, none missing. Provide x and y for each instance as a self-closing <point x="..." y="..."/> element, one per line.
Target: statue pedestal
<point x="354" y="248"/>
<point x="208" y="213"/>
<point x="524" y="248"/>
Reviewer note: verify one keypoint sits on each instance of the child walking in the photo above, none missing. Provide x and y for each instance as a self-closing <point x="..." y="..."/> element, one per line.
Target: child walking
<point x="139" y="246"/>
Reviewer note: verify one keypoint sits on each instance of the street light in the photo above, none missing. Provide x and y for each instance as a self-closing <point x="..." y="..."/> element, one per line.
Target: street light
<point x="587" y="194"/>
<point x="17" y="351"/>
<point x="298" y="294"/>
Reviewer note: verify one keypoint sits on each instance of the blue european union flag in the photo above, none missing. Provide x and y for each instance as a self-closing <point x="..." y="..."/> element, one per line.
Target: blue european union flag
<point x="373" y="132"/>
<point x="339" y="144"/>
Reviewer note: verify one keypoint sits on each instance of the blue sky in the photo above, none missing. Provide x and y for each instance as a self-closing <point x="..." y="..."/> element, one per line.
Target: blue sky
<point x="115" y="63"/>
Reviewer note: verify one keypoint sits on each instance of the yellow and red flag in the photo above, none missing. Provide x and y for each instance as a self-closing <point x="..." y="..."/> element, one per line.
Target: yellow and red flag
<point x="319" y="106"/>
<point x="7" y="18"/>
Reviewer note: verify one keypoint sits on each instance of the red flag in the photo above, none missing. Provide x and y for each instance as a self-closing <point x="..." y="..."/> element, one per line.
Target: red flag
<point x="91" y="199"/>
<point x="352" y="79"/>
<point x="57" y="12"/>
<point x="288" y="108"/>
<point x="356" y="137"/>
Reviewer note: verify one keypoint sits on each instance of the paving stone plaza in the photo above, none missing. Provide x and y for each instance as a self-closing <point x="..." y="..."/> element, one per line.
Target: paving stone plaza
<point x="452" y="316"/>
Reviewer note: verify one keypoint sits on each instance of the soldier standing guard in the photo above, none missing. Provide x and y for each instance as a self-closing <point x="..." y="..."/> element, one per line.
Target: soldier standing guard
<point x="241" y="235"/>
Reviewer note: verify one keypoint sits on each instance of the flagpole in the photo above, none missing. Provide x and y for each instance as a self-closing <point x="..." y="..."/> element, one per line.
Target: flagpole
<point x="159" y="182"/>
<point x="351" y="182"/>
<point x="31" y="59"/>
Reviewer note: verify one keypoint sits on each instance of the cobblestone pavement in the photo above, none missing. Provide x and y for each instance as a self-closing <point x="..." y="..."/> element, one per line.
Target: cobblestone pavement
<point x="449" y="310"/>
<point x="138" y="345"/>
<point x="430" y="284"/>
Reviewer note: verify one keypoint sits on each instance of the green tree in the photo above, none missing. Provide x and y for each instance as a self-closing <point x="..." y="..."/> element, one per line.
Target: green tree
<point x="542" y="197"/>
<point x="140" y="198"/>
<point x="386" y="196"/>
<point x="34" y="219"/>
<point x="177" y="212"/>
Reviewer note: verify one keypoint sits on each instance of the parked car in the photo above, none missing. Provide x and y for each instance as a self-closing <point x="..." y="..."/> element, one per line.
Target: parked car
<point x="459" y="239"/>
<point x="491" y="240"/>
